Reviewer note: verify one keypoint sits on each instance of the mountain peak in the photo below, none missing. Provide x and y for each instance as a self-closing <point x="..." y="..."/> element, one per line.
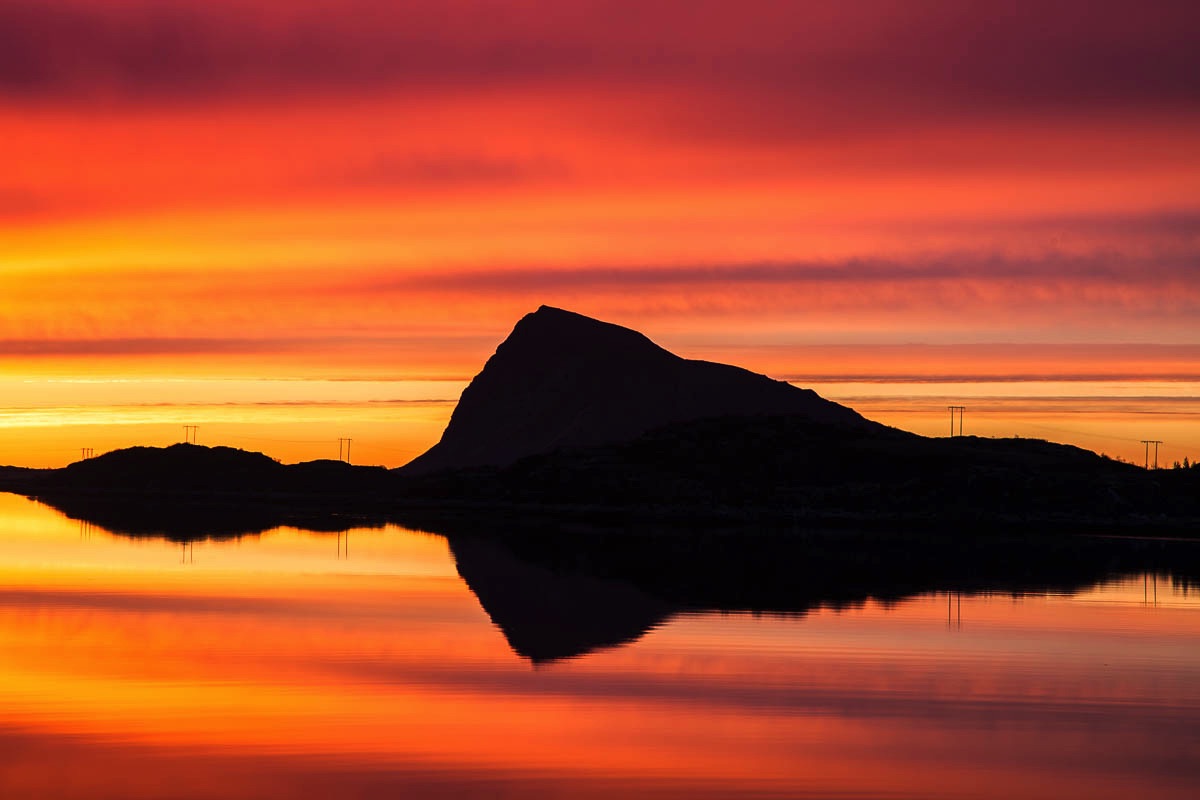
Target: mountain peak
<point x="562" y="379"/>
<point x="549" y="325"/>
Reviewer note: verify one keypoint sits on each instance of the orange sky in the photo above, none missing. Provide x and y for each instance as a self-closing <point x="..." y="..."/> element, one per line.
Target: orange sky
<point x="360" y="189"/>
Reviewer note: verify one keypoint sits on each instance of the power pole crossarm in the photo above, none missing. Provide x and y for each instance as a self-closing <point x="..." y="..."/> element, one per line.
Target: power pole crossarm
<point x="1147" y="443"/>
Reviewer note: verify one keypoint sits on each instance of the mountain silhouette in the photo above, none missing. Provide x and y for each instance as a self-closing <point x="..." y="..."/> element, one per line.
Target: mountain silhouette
<point x="561" y="379"/>
<point x="578" y="418"/>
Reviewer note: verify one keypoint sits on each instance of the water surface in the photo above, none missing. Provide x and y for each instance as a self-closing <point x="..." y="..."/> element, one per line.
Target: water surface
<point x="360" y="664"/>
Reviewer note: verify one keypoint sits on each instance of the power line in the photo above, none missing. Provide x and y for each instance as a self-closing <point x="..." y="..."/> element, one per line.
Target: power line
<point x="282" y="441"/>
<point x="1081" y="433"/>
<point x="383" y="447"/>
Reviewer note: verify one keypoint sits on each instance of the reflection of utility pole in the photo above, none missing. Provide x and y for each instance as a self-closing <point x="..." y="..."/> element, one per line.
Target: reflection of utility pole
<point x="185" y="553"/>
<point x="959" y="411"/>
<point x="954" y="610"/>
<point x="189" y="433"/>
<point x="347" y="457"/>
<point x="343" y="544"/>
<point x="1156" y="443"/>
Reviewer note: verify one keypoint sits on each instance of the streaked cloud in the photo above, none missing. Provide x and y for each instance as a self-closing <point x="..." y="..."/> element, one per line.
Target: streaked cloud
<point x="890" y="56"/>
<point x="441" y="171"/>
<point x="1100" y="268"/>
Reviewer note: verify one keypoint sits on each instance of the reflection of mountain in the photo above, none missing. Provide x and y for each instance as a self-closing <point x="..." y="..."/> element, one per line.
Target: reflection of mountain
<point x="547" y="615"/>
<point x="558" y="593"/>
<point x="186" y="518"/>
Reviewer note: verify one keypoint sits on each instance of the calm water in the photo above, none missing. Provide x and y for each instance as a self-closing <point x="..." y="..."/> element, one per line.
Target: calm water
<point x="360" y="664"/>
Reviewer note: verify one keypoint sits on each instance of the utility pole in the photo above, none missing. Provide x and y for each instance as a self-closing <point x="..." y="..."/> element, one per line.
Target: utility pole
<point x="189" y="433"/>
<point x="86" y="453"/>
<point x="1156" y="443"/>
<point x="959" y="411"/>
<point x="347" y="440"/>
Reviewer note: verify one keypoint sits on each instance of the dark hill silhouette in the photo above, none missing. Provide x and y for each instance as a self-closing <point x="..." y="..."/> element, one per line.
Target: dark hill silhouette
<point x="201" y="470"/>
<point x="789" y="467"/>
<point x="180" y="466"/>
<point x="561" y="379"/>
<point x="186" y="492"/>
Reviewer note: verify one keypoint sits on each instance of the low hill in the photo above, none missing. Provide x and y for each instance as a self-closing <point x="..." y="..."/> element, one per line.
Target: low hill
<point x="190" y="468"/>
<point x="180" y="466"/>
<point x="789" y="467"/>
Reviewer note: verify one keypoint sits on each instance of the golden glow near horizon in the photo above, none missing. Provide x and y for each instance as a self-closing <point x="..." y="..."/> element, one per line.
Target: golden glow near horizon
<point x="387" y="206"/>
<point x="47" y="423"/>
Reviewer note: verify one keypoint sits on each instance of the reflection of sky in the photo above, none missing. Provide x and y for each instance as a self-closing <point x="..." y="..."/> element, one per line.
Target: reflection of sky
<point x="37" y="538"/>
<point x="379" y="667"/>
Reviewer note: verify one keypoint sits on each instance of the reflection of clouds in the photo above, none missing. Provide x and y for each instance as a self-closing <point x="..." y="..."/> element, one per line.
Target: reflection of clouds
<point x="132" y="602"/>
<point x="869" y="690"/>
<point x="292" y="674"/>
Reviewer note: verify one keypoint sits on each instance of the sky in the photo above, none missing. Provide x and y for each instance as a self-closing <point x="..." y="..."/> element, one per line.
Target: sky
<point x="202" y="200"/>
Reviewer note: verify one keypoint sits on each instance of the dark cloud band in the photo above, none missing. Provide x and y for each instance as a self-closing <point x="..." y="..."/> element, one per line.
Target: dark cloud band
<point x="853" y="60"/>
